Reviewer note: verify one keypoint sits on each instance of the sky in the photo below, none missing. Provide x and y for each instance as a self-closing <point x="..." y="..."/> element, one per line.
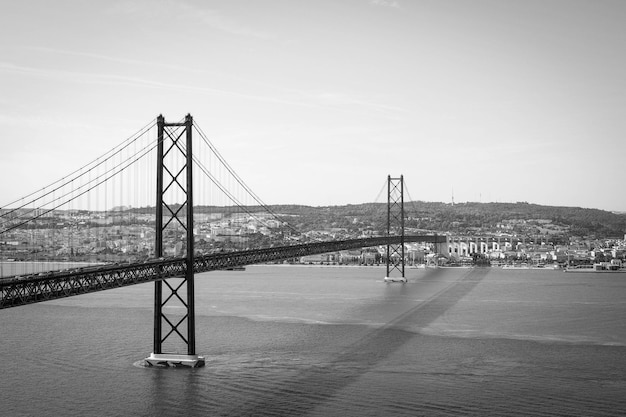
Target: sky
<point x="317" y="102"/>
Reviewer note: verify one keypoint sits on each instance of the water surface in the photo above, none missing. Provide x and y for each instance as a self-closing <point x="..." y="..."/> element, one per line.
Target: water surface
<point x="332" y="341"/>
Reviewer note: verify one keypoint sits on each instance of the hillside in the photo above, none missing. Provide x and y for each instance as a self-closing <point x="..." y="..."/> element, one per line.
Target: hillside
<point x="463" y="218"/>
<point x="557" y="222"/>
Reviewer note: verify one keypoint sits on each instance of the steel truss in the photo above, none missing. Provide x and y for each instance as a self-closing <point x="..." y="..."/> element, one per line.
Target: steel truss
<point x="395" y="225"/>
<point x="174" y="181"/>
<point x="19" y="291"/>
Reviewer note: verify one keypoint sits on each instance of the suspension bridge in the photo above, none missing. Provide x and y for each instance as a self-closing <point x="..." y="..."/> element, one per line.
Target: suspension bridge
<point x="175" y="256"/>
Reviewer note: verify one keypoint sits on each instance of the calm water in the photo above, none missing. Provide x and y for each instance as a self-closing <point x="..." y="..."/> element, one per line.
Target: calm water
<point x="332" y="341"/>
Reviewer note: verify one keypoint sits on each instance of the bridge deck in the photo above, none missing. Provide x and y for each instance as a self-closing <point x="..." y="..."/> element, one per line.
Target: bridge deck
<point x="18" y="291"/>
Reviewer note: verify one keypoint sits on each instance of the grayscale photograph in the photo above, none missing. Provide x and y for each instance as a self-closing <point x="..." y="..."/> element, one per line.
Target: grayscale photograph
<point x="313" y="208"/>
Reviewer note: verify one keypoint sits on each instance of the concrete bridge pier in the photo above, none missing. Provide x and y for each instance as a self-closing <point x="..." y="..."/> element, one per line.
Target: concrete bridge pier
<point x="443" y="248"/>
<point x="172" y="360"/>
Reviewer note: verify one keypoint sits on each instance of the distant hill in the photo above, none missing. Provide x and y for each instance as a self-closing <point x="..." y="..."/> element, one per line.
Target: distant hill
<point x="580" y="221"/>
<point x="519" y="218"/>
<point x="464" y="218"/>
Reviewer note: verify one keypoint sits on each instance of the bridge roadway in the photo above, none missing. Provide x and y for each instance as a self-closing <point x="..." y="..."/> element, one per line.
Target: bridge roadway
<point x="17" y="291"/>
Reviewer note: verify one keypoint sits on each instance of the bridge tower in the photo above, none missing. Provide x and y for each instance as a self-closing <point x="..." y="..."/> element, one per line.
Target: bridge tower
<point x="395" y="227"/>
<point x="174" y="329"/>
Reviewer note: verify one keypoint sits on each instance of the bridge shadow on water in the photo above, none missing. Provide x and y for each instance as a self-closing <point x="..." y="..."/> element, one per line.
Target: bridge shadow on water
<point x="313" y="387"/>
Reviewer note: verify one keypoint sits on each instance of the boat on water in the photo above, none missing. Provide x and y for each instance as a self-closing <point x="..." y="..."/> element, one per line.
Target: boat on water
<point x="516" y="266"/>
<point x="524" y="266"/>
<point x="611" y="267"/>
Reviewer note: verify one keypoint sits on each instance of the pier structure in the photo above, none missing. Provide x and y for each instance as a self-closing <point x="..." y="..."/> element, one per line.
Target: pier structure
<point x="174" y="208"/>
<point x="395" y="227"/>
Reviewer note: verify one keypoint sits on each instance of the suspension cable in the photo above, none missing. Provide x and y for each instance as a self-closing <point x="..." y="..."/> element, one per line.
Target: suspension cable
<point x="380" y="192"/>
<point x="91" y="180"/>
<point x="126" y="143"/>
<point x="234" y="174"/>
<point x="241" y="182"/>
<point x="230" y="196"/>
<point x="416" y="212"/>
<point x="128" y="162"/>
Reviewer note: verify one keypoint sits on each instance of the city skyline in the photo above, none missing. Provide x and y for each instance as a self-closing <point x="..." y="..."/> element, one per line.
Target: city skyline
<point x="316" y="103"/>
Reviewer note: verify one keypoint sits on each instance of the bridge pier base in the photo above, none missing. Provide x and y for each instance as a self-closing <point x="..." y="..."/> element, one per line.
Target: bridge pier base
<point x="171" y="360"/>
<point x="395" y="279"/>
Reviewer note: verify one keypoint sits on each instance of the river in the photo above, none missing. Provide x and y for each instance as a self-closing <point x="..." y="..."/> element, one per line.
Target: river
<point x="324" y="341"/>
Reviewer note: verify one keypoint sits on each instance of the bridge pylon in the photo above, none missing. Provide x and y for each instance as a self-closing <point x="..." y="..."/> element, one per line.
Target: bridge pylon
<point x="395" y="227"/>
<point x="174" y="328"/>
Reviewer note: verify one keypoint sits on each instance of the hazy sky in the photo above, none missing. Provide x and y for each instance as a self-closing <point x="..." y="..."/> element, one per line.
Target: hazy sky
<point x="316" y="102"/>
